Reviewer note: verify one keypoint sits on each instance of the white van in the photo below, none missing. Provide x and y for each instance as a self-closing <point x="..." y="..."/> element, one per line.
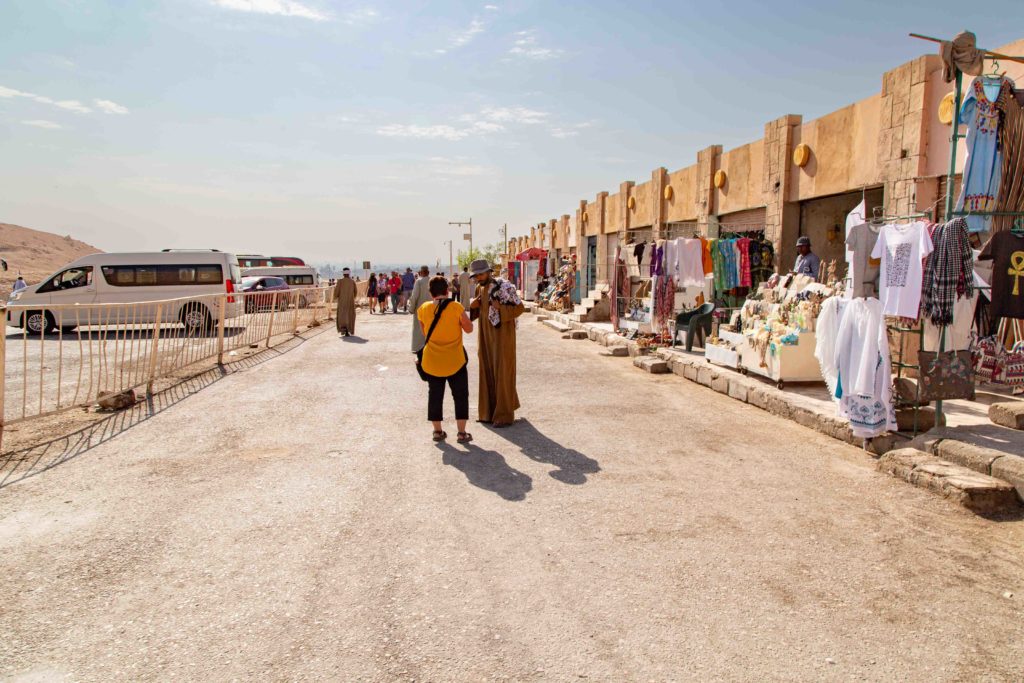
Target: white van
<point x="131" y="278"/>
<point x="297" y="277"/>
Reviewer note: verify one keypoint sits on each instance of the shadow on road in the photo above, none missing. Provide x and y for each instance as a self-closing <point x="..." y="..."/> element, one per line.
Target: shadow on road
<point x="573" y="466"/>
<point x="487" y="470"/>
<point x="28" y="461"/>
<point x="353" y="339"/>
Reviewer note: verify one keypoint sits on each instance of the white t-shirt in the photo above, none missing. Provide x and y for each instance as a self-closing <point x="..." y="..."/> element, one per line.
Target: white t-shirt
<point x="902" y="249"/>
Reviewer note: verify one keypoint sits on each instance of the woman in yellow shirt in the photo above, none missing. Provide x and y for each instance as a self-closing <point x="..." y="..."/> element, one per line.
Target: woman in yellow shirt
<point x="445" y="359"/>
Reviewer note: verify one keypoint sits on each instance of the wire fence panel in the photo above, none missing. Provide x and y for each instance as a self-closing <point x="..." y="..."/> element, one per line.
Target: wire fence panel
<point x="69" y="356"/>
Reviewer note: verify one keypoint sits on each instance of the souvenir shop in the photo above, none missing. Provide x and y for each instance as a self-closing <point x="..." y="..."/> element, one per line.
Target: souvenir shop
<point x="955" y="287"/>
<point x="527" y="269"/>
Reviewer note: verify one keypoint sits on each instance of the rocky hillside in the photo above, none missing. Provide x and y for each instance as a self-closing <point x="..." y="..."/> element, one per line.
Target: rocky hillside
<point x="35" y="254"/>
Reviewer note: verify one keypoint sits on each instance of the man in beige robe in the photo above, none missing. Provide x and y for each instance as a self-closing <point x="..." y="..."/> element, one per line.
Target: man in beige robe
<point x="419" y="296"/>
<point x="466" y="288"/>
<point x="499" y="399"/>
<point x="345" y="295"/>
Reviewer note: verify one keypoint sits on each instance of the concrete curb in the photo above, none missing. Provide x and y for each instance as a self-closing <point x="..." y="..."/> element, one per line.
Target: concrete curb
<point x="979" y="493"/>
<point x="1005" y="466"/>
<point x="739" y="387"/>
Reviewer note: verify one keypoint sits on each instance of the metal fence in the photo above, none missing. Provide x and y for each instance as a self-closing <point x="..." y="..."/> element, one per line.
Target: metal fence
<point x="82" y="352"/>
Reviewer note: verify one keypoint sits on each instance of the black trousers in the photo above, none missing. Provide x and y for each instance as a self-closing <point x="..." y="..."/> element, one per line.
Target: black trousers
<point x="459" y="383"/>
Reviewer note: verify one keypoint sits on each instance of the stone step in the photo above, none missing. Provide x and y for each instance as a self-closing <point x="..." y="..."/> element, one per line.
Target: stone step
<point x="977" y="492"/>
<point x="541" y="317"/>
<point x="556" y="326"/>
<point x="1007" y="414"/>
<point x="651" y="364"/>
<point x="577" y="317"/>
<point x="619" y="351"/>
<point x="579" y="334"/>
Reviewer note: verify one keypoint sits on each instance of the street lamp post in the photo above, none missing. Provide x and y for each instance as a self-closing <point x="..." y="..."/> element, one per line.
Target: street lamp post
<point x="451" y="266"/>
<point x="470" y="235"/>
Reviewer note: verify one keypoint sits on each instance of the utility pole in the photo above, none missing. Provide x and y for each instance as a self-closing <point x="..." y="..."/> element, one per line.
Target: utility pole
<point x="451" y="266"/>
<point x="468" y="236"/>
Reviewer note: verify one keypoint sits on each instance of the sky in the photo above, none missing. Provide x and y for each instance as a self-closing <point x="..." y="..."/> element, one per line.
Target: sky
<point x="348" y="131"/>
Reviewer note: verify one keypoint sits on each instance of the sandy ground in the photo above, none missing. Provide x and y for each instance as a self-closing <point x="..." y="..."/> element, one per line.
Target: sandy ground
<point x="293" y="521"/>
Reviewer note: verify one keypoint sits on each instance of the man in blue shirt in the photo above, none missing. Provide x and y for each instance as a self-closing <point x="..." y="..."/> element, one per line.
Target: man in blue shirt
<point x="408" y="283"/>
<point x="807" y="262"/>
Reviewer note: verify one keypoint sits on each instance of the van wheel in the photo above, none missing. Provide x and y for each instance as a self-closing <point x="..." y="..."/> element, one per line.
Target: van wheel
<point x="39" y="322"/>
<point x="68" y="329"/>
<point x="196" y="319"/>
<point x="250" y="305"/>
<point x="302" y="302"/>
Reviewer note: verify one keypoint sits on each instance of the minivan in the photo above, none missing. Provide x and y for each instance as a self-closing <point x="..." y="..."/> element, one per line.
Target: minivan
<point x="131" y="278"/>
<point x="297" y="277"/>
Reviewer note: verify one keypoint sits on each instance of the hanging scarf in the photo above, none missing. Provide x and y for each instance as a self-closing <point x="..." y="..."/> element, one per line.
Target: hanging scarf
<point x="744" y="246"/>
<point x="948" y="273"/>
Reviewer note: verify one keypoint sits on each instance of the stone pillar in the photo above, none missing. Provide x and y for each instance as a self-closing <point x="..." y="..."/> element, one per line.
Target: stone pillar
<point x="563" y="232"/>
<point x="704" y="199"/>
<point x="625" y="191"/>
<point x="902" y="146"/>
<point x="603" y="257"/>
<point x="659" y="181"/>
<point x="782" y="217"/>
<point x="533" y="236"/>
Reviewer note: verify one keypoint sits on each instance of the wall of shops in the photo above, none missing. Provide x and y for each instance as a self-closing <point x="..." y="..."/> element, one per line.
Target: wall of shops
<point x="890" y="146"/>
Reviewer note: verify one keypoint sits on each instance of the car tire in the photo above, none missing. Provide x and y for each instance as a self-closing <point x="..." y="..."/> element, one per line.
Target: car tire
<point x="39" y="322"/>
<point x="250" y="305"/>
<point x="196" y="319"/>
<point x="68" y="329"/>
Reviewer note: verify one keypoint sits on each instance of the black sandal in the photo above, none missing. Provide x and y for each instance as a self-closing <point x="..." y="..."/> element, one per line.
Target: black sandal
<point x="464" y="437"/>
<point x="440" y="436"/>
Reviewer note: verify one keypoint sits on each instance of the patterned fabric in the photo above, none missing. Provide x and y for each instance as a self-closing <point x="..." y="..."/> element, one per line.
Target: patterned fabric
<point x="948" y="273"/>
<point x="946" y="376"/>
<point x="719" y="265"/>
<point x="503" y="292"/>
<point x="1011" y="142"/>
<point x="983" y="167"/>
<point x="744" y="246"/>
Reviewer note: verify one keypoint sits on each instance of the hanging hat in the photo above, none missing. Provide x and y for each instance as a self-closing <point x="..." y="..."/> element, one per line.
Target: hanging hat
<point x="480" y="266"/>
<point x="804" y="241"/>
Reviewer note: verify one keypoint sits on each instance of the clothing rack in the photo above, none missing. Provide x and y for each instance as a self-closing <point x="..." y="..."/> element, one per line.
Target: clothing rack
<point x="956" y="135"/>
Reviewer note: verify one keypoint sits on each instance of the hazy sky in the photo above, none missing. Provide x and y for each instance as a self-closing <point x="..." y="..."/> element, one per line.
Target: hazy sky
<point x="341" y="130"/>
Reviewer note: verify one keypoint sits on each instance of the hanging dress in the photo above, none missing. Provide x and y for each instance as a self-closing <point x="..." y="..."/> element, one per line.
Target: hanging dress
<point x="983" y="167"/>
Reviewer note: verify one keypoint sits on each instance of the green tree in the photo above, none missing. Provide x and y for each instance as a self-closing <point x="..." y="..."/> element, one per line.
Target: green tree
<point x="489" y="252"/>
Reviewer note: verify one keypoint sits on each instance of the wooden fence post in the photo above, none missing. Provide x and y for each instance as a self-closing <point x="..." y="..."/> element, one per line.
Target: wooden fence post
<point x="220" y="328"/>
<point x="270" y="327"/>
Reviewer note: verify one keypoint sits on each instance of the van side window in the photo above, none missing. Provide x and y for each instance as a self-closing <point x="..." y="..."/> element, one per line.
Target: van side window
<point x="299" y="280"/>
<point x="69" y="279"/>
<point x="162" y="275"/>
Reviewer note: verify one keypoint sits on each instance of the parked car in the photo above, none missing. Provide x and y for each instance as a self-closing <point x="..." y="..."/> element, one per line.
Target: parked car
<point x="297" y="277"/>
<point x="260" y="293"/>
<point x="67" y="298"/>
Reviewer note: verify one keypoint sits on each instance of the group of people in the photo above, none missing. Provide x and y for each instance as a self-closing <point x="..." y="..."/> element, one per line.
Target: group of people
<point x="397" y="289"/>
<point x="441" y="319"/>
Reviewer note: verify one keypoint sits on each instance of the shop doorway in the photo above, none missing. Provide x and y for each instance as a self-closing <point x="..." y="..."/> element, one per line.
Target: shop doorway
<point x="824" y="221"/>
<point x="591" y="267"/>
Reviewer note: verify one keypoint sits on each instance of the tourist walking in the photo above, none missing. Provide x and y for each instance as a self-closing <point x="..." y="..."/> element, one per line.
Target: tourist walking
<point x="371" y="292"/>
<point x="497" y="305"/>
<point x="394" y="290"/>
<point x="408" y="282"/>
<point x="444" y="359"/>
<point x="345" y="293"/>
<point x="420" y="295"/>
<point x="382" y="293"/>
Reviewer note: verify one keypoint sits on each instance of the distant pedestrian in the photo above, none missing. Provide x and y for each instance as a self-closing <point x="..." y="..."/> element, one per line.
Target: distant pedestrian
<point x="382" y="293"/>
<point x="395" y="290"/>
<point x="371" y="292"/>
<point x="466" y="288"/>
<point x="444" y="357"/>
<point x="345" y="293"/>
<point x="20" y="284"/>
<point x="420" y="295"/>
<point x="408" y="282"/>
<point x="497" y="304"/>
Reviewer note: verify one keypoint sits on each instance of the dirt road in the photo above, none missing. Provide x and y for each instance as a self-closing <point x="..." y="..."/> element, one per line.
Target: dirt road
<point x="294" y="522"/>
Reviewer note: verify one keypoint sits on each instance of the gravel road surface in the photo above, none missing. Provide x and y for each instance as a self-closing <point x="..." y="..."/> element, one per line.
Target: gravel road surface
<point x="293" y="521"/>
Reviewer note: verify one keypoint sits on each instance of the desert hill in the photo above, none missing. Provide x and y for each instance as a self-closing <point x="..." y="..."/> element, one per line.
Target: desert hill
<point x="34" y="254"/>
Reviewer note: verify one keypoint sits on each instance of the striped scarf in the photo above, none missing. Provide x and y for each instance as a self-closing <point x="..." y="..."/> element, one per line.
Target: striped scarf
<point x="949" y="272"/>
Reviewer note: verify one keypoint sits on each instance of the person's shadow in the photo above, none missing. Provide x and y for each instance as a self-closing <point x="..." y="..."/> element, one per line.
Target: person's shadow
<point x="487" y="470"/>
<point x="573" y="466"/>
<point x="353" y="339"/>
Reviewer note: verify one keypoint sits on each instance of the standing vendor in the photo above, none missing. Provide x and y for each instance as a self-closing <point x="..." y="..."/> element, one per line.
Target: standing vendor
<point x="807" y="262"/>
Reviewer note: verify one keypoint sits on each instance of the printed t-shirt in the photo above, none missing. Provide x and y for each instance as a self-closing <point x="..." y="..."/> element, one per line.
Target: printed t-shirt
<point x="902" y="248"/>
<point x="863" y="267"/>
<point x="443" y="355"/>
<point x="1006" y="251"/>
